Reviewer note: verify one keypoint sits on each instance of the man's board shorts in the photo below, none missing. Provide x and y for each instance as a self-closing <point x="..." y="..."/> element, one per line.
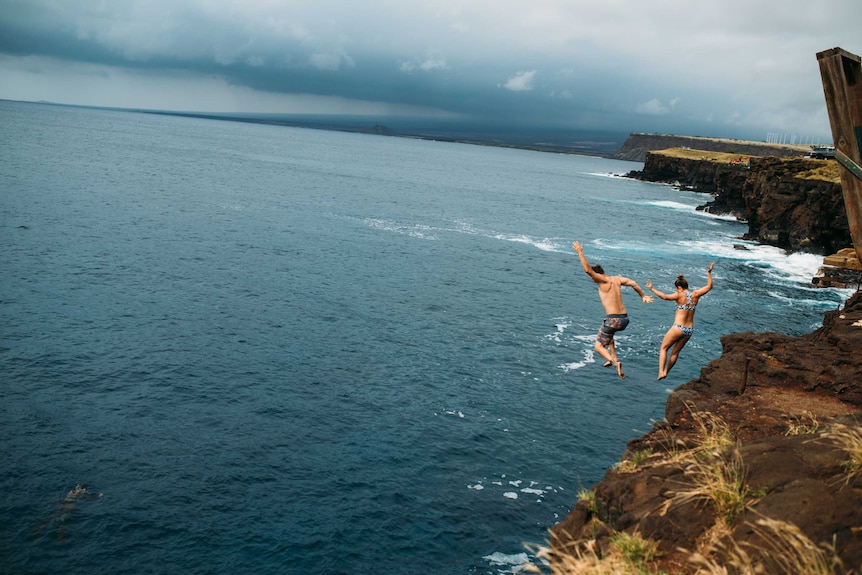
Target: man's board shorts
<point x="612" y="324"/>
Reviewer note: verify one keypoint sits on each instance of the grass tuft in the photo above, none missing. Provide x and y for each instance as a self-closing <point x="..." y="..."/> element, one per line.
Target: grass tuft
<point x="850" y="440"/>
<point x="717" y="480"/>
<point x="782" y="548"/>
<point x="589" y="497"/>
<point x="635" y="550"/>
<point x="628" y="555"/>
<point x="804" y="424"/>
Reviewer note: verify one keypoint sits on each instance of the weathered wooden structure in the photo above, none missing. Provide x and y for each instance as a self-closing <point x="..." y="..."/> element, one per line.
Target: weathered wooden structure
<point x="841" y="73"/>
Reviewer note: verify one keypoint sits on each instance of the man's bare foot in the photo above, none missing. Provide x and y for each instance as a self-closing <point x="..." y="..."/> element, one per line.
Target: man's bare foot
<point x="619" y="365"/>
<point x="607" y="364"/>
<point x="661" y="376"/>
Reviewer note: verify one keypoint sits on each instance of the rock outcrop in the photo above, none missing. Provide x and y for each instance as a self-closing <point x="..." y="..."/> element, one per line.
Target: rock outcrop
<point x="784" y="205"/>
<point x="786" y="402"/>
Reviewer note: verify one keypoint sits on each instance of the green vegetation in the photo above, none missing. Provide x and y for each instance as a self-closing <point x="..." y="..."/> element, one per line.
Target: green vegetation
<point x="635" y="550"/>
<point x="589" y="497"/>
<point x="805" y="424"/>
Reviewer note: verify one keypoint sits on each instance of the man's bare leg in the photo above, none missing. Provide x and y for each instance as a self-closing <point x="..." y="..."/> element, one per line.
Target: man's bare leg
<point x="610" y="354"/>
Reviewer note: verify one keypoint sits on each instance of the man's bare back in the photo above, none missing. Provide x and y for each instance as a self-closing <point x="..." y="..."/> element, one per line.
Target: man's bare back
<point x="611" y="295"/>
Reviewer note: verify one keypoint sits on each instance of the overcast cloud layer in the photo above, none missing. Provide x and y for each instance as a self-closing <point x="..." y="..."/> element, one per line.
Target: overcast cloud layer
<point x="713" y="68"/>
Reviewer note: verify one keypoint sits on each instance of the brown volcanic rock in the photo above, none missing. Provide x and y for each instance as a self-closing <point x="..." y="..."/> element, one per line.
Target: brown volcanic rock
<point x="792" y="212"/>
<point x="760" y="386"/>
<point x="783" y="208"/>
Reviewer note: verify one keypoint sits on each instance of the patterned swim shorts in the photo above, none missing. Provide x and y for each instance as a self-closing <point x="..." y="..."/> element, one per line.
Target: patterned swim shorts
<point x="613" y="323"/>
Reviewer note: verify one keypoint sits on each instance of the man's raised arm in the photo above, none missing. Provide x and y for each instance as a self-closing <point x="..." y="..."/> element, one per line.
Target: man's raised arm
<point x="584" y="263"/>
<point x="634" y="285"/>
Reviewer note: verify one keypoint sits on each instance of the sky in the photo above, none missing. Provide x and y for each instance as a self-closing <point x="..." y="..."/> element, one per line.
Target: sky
<point x="723" y="68"/>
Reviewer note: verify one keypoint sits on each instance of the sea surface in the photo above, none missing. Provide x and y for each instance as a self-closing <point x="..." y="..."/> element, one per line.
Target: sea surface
<point x="279" y="350"/>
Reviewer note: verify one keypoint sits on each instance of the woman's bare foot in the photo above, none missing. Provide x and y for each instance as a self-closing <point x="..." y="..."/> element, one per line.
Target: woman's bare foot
<point x="607" y="364"/>
<point x="661" y="375"/>
<point x="619" y="366"/>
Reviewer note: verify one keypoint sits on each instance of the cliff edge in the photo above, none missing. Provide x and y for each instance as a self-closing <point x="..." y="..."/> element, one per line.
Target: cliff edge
<point x="792" y="203"/>
<point x="767" y="440"/>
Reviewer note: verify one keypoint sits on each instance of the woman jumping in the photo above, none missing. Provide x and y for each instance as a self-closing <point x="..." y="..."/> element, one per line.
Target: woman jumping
<point x="680" y="332"/>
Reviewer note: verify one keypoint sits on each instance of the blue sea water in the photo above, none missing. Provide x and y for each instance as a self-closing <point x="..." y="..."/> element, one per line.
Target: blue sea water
<point x="278" y="350"/>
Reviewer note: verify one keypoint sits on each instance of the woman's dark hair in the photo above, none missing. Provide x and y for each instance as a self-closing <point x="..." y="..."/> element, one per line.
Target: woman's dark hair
<point x="680" y="282"/>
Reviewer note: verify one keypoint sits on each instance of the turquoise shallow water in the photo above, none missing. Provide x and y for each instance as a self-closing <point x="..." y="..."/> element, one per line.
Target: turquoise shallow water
<point x="278" y="350"/>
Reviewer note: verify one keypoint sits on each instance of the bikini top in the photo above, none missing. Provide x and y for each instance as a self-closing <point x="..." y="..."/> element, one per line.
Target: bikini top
<point x="689" y="305"/>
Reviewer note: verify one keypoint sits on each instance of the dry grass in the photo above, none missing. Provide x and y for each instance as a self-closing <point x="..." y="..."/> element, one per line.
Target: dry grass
<point x="578" y="561"/>
<point x="628" y="555"/>
<point x="712" y="433"/>
<point x="804" y="424"/>
<point x="692" y="154"/>
<point x="719" y="481"/>
<point x="826" y="170"/>
<point x="716" y="474"/>
<point x="850" y="440"/>
<point x="633" y="459"/>
<point x="782" y="550"/>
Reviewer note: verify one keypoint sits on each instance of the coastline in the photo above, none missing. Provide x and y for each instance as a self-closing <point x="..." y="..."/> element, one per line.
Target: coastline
<point x="781" y="400"/>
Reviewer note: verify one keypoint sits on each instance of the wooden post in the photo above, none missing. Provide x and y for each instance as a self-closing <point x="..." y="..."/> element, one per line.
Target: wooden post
<point x="841" y="73"/>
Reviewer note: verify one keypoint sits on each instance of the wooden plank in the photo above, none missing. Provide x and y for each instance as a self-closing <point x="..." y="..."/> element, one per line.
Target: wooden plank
<point x="841" y="73"/>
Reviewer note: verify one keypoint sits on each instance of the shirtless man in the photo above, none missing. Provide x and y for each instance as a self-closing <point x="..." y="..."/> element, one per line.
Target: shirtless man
<point x="610" y="292"/>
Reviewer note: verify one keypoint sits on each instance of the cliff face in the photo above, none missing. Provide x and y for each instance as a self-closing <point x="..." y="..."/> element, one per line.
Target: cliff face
<point x="784" y="402"/>
<point x="637" y="145"/>
<point x="782" y="208"/>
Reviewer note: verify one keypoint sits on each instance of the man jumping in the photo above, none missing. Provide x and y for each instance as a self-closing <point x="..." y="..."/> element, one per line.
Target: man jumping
<point x="610" y="292"/>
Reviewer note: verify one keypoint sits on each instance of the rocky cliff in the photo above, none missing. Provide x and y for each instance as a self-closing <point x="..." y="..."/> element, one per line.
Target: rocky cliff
<point x="758" y="460"/>
<point x="637" y="145"/>
<point x="785" y="201"/>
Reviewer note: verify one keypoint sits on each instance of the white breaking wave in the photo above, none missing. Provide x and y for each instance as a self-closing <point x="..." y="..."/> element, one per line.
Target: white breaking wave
<point x="794" y="267"/>
<point x="502" y="559"/>
<point x="689" y="209"/>
<point x="605" y="175"/>
<point x="426" y="232"/>
<point x="419" y="231"/>
<point x="544" y="244"/>
<point x="671" y="204"/>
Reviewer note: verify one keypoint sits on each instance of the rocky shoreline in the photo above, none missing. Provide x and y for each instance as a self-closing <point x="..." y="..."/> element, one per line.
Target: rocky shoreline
<point x="769" y="412"/>
<point x="783" y="201"/>
<point x="787" y="202"/>
<point x="779" y="401"/>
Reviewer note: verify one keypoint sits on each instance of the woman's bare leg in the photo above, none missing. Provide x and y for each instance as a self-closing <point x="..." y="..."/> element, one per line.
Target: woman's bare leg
<point x="670" y="338"/>
<point x="674" y="354"/>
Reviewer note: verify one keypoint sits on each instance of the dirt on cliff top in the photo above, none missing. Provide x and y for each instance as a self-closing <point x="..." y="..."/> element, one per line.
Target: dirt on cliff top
<point x="770" y="417"/>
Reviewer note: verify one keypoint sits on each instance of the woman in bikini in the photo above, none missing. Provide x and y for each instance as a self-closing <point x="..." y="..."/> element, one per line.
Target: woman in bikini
<point x="683" y="323"/>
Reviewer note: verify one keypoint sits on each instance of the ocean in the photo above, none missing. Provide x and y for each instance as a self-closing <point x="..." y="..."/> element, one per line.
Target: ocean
<point x="274" y="350"/>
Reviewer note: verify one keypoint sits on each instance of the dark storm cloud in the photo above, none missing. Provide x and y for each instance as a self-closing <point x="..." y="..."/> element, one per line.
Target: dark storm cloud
<point x="628" y="64"/>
